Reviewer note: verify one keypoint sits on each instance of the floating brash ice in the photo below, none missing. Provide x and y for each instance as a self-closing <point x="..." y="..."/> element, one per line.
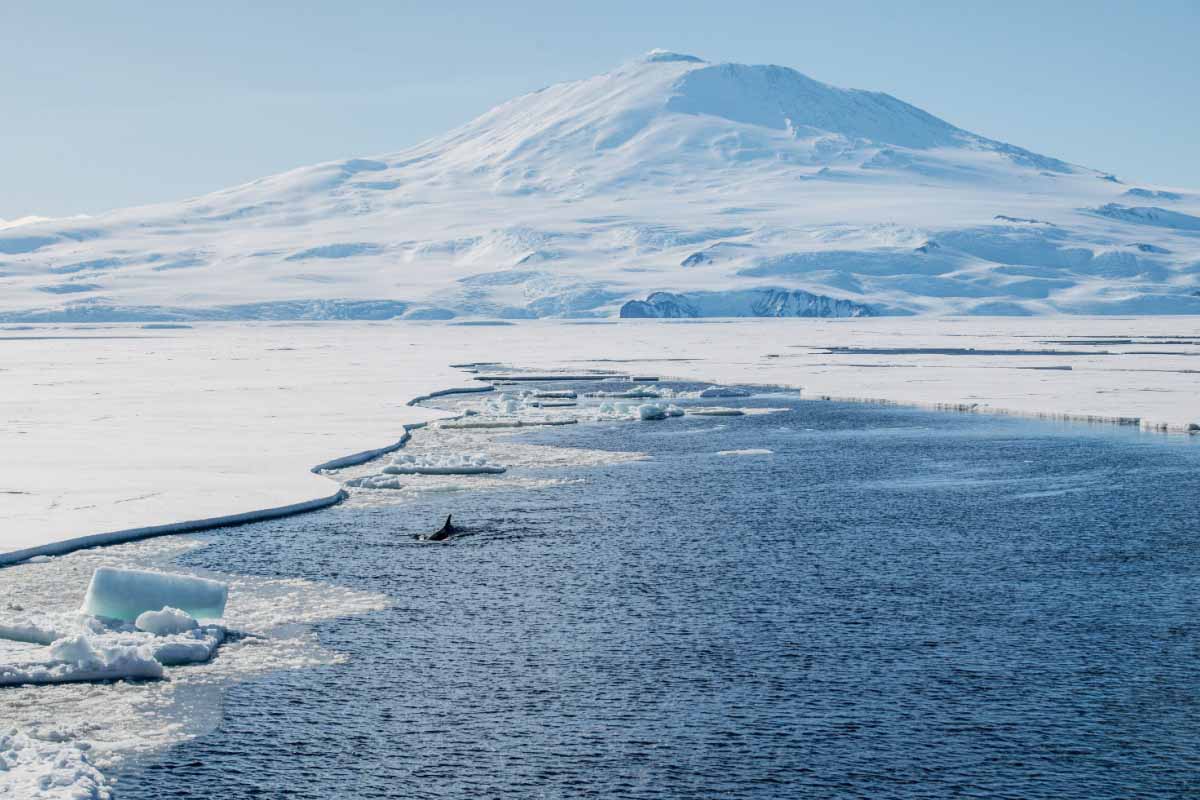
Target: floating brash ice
<point x="132" y="624"/>
<point x="436" y="464"/>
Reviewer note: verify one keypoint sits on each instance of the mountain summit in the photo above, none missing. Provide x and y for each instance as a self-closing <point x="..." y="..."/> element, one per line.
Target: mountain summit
<point x="669" y="110"/>
<point x="670" y="186"/>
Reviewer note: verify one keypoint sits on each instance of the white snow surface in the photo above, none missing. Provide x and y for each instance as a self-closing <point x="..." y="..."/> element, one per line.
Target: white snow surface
<point x="39" y="769"/>
<point x="669" y="186"/>
<point x="112" y="438"/>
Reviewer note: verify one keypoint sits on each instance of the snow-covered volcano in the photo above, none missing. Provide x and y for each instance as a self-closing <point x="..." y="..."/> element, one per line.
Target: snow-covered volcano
<point x="668" y="187"/>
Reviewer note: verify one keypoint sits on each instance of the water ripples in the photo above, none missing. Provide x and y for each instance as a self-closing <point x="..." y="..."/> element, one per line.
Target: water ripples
<point x="871" y="611"/>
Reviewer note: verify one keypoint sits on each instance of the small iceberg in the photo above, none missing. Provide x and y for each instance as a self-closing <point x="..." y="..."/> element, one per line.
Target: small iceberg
<point x="651" y="411"/>
<point x="724" y="391"/>
<point x="658" y="411"/>
<point x="123" y="594"/>
<point x="751" y="451"/>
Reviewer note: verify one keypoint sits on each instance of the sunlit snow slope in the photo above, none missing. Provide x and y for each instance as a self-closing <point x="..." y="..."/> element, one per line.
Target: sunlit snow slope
<point x="668" y="187"/>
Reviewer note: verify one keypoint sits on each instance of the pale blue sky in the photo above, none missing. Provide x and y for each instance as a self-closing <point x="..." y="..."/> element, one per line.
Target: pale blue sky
<point x="113" y="104"/>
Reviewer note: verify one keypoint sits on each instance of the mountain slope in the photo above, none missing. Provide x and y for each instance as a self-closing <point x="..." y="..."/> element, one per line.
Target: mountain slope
<point x="728" y="189"/>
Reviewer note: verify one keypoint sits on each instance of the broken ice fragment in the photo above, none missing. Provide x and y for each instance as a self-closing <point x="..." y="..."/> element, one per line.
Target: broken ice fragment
<point x="125" y="593"/>
<point x="724" y="391"/>
<point x="167" y="622"/>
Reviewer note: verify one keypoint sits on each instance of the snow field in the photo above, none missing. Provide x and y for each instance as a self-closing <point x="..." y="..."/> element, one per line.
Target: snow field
<point x="297" y="395"/>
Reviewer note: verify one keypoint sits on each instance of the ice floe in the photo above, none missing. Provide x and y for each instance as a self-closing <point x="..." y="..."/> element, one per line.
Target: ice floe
<point x="635" y="393"/>
<point x="447" y="464"/>
<point x="502" y="404"/>
<point x="33" y="632"/>
<point x="724" y="391"/>
<point x="468" y="423"/>
<point x="83" y="658"/>
<point x="89" y="649"/>
<point x="58" y="743"/>
<point x="426" y="464"/>
<point x="125" y="593"/>
<point x="127" y="629"/>
<point x="617" y="410"/>
<point x="376" y="482"/>
<point x="651" y="411"/>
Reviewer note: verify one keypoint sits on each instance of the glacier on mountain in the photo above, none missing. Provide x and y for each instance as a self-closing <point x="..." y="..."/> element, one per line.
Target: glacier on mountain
<point x="670" y="186"/>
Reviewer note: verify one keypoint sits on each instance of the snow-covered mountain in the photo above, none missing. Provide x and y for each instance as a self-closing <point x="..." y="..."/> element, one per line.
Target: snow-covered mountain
<point x="668" y="187"/>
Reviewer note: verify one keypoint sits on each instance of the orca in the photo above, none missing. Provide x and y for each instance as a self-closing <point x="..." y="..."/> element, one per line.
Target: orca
<point x="442" y="534"/>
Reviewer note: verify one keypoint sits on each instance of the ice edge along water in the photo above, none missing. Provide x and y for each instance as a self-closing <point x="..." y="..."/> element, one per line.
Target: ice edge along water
<point x="323" y="501"/>
<point x="188" y="526"/>
<point x="193" y="526"/>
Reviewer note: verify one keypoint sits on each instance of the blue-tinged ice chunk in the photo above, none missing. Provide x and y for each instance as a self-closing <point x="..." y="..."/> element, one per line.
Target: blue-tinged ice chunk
<point x="125" y="593"/>
<point x="724" y="391"/>
<point x="652" y="411"/>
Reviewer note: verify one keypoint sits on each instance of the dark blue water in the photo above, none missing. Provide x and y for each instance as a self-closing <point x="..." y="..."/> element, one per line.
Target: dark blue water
<point x="893" y="604"/>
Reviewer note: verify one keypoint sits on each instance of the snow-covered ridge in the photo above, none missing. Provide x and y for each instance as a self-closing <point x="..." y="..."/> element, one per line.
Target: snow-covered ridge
<point x="669" y="174"/>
